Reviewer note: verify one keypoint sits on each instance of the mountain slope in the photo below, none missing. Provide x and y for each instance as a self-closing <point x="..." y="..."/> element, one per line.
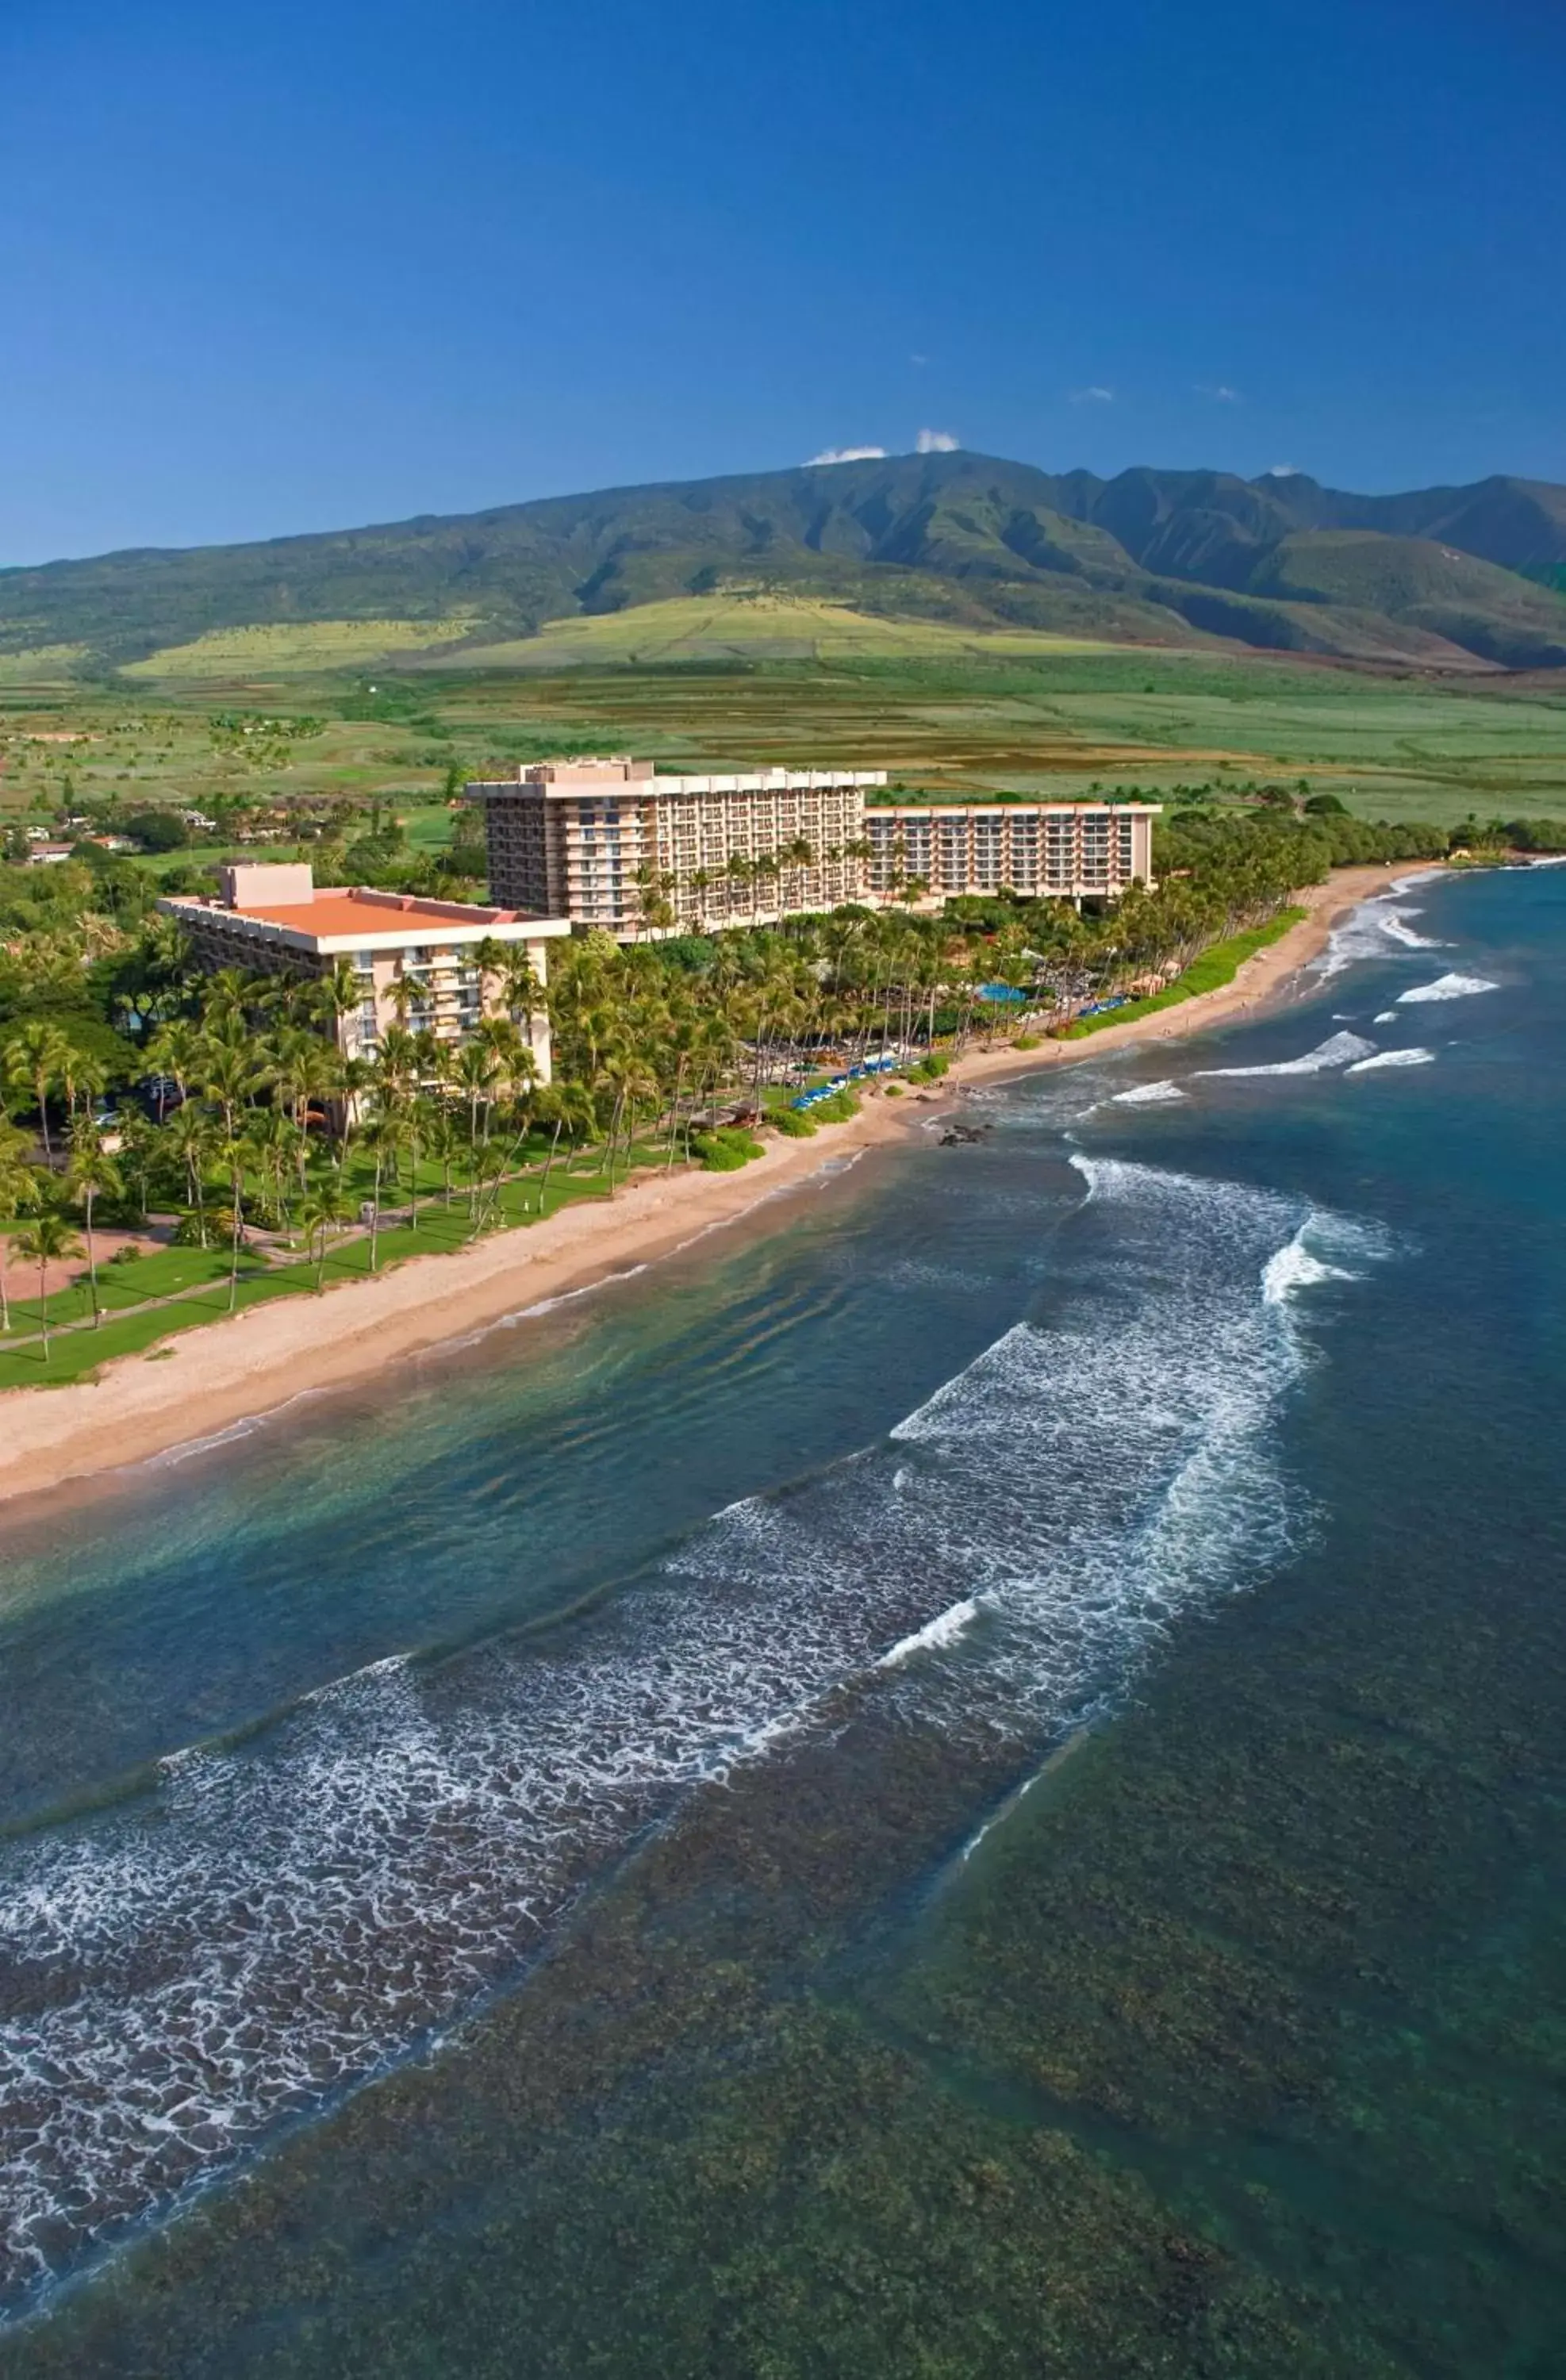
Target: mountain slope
<point x="1431" y="578"/>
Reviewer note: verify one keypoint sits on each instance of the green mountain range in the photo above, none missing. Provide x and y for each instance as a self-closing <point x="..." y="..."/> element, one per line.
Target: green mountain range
<point x="1445" y="579"/>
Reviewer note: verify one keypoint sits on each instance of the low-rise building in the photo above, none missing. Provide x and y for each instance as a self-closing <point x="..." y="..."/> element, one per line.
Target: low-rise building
<point x="429" y="963"/>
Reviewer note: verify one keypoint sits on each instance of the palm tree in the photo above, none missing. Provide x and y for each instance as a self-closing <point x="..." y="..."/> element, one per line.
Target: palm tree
<point x="36" y="1057"/>
<point x="399" y="1061"/>
<point x="489" y="1172"/>
<point x="571" y="1111"/>
<point x="337" y="993"/>
<point x="384" y="1138"/>
<point x="798" y="855"/>
<point x="736" y="867"/>
<point x="442" y="1142"/>
<point x="173" y="1050"/>
<point x="190" y="1134"/>
<point x="763" y="870"/>
<point x="476" y="1075"/>
<point x="278" y="1145"/>
<point x="88" y="1177"/>
<point x="47" y="1241"/>
<point x="420" y="1112"/>
<point x="81" y="1076"/>
<point x="324" y="1206"/>
<point x="235" y="1147"/>
<point x="20" y="1189"/>
<point x="230" y="993"/>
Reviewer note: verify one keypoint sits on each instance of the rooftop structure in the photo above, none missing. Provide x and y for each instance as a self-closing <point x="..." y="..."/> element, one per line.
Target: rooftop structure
<point x="414" y="960"/>
<point x="605" y="842"/>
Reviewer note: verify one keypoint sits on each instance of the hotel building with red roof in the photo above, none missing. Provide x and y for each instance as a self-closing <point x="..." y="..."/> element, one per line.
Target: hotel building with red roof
<point x="276" y="921"/>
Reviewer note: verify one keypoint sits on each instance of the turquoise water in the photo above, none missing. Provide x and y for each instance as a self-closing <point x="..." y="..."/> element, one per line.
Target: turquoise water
<point x="560" y="1861"/>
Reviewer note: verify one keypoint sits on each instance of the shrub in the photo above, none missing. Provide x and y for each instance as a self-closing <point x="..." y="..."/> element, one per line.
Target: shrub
<point x="158" y="829"/>
<point x="794" y="1124"/>
<point x="726" y="1151"/>
<point x="894" y="1090"/>
<point x="840" y="1109"/>
<point x="1027" y="1041"/>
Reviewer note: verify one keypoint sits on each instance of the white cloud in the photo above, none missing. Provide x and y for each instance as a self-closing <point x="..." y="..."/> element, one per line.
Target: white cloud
<point x="938" y="442"/>
<point x="1284" y="471"/>
<point x="1092" y="396"/>
<point x="846" y="454"/>
<point x="918" y="361"/>
<point x="1220" y="392"/>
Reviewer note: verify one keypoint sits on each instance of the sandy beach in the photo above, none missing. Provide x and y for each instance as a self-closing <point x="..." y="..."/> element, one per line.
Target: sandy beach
<point x="205" y="1380"/>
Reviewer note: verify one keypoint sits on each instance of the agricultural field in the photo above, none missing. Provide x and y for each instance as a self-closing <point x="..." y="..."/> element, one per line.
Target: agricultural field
<point x="946" y="712"/>
<point x="306" y="645"/>
<point x="762" y="627"/>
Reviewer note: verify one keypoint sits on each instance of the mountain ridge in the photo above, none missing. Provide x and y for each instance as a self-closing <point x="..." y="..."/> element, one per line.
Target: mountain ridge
<point x="1435" y="578"/>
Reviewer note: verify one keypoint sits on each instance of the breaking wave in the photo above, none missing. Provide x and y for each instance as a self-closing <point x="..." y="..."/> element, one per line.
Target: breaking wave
<point x="943" y="1629"/>
<point x="1325" y="1247"/>
<point x="278" y="1920"/>
<point x="1447" y="987"/>
<point x="1395" y="923"/>
<point x="1338" y="1050"/>
<point x="1148" y="1095"/>
<point x="1365" y="932"/>
<point x="1395" y="1058"/>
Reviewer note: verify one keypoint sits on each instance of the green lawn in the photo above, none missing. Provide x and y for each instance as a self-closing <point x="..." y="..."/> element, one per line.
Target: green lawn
<point x="441" y="1229"/>
<point x="1216" y="967"/>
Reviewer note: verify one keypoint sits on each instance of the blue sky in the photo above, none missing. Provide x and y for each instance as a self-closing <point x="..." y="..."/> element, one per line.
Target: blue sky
<point x="269" y="268"/>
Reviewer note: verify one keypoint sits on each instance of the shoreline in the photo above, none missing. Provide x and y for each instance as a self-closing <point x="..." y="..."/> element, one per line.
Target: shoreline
<point x="251" y="1363"/>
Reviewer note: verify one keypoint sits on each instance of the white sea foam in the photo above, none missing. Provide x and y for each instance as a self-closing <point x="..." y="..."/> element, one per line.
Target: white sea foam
<point x="1367" y="930"/>
<point x="1149" y="1095"/>
<point x="1395" y="1058"/>
<point x="1395" y="923"/>
<point x="1326" y="1248"/>
<point x="1338" y="1050"/>
<point x="278" y="1920"/>
<point x="944" y="1629"/>
<point x="1387" y="1017"/>
<point x="1447" y="987"/>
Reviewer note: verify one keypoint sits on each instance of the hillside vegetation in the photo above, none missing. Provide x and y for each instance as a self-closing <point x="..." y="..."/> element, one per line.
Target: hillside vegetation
<point x="1452" y="579"/>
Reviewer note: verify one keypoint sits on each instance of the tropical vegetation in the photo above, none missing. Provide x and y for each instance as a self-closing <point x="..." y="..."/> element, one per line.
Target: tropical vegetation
<point x="135" y="1087"/>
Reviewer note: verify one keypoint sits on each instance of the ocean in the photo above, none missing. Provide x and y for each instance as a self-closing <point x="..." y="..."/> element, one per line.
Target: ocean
<point x="965" y="1777"/>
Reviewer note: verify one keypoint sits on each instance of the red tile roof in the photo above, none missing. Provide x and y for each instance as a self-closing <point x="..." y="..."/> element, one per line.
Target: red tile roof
<point x="335" y="913"/>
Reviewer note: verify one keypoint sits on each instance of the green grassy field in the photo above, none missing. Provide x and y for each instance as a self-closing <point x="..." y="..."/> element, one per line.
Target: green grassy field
<point x="764" y="627"/>
<point x="939" y="709"/>
<point x="310" y="646"/>
<point x="200" y="1278"/>
<point x="1216" y="967"/>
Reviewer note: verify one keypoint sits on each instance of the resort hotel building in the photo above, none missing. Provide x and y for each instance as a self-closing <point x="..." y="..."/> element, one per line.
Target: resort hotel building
<point x="606" y="842"/>
<point x="602" y="842"/>
<point x="1069" y="851"/>
<point x="429" y="963"/>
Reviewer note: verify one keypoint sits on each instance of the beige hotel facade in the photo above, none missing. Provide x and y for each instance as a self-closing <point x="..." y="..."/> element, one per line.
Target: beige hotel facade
<point x="600" y="841"/>
<point x="429" y="963"/>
